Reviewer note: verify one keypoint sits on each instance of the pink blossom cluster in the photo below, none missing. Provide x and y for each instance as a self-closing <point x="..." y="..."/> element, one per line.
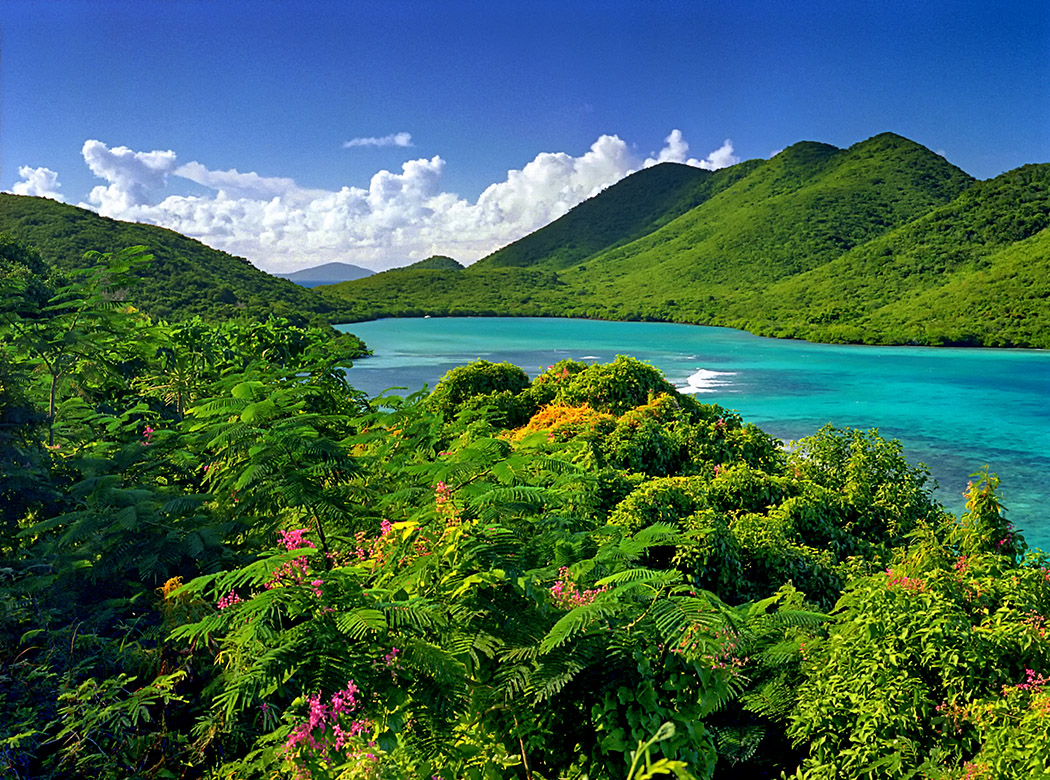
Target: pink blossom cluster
<point x="1034" y="682"/>
<point x="293" y="572"/>
<point x="229" y="600"/>
<point x="904" y="582"/>
<point x="293" y="540"/>
<point x="727" y="657"/>
<point x="567" y="595"/>
<point x="329" y="727"/>
<point x="147" y="434"/>
<point x="688" y="639"/>
<point x="962" y="565"/>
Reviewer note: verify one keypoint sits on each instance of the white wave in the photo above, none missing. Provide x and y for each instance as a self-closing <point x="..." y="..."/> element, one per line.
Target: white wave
<point x="706" y="381"/>
<point x="590" y="357"/>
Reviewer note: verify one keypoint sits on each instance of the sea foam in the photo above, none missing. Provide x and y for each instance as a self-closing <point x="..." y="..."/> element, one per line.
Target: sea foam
<point x="706" y="381"/>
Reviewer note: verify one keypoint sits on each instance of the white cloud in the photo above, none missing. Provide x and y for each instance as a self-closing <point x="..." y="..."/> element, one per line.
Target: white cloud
<point x="233" y="183"/>
<point x="42" y="182"/>
<point x="135" y="178"/>
<point x="394" y="139"/>
<point x="677" y="150"/>
<point x="400" y="216"/>
<point x="722" y="157"/>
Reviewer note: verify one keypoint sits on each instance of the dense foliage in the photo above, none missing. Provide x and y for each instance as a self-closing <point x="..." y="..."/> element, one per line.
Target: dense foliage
<point x="884" y="242"/>
<point x="220" y="561"/>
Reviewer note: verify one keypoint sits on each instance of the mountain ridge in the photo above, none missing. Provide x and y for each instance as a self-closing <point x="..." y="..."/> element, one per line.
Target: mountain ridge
<point x="752" y="252"/>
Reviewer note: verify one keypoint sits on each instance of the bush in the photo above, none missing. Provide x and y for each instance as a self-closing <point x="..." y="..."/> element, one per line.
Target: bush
<point x="481" y="377"/>
<point x="615" y="387"/>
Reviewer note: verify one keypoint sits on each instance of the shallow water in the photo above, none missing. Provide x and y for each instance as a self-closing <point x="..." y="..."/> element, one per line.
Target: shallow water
<point x="956" y="410"/>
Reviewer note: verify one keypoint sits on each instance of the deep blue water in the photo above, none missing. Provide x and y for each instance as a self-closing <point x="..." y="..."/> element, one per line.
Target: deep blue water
<point x="956" y="410"/>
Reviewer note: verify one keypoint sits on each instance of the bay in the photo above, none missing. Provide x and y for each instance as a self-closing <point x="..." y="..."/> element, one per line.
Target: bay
<point x="955" y="410"/>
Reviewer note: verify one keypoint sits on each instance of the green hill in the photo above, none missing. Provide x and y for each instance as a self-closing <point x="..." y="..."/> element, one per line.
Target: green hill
<point x="434" y="263"/>
<point x="630" y="209"/>
<point x="975" y="271"/>
<point x="759" y="245"/>
<point x="186" y="277"/>
<point x="884" y="242"/>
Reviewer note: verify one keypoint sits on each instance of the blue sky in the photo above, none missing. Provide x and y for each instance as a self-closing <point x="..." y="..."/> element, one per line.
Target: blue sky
<point x="477" y="122"/>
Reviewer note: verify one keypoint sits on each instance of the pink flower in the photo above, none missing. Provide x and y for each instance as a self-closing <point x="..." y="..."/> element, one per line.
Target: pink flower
<point x="229" y="600"/>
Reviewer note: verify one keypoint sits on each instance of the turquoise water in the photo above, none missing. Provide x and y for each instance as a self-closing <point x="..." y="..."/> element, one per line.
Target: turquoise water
<point x="956" y="410"/>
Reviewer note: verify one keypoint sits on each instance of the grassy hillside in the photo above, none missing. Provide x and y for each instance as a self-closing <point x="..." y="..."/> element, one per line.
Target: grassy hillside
<point x="186" y="277"/>
<point x="632" y="208"/>
<point x="974" y="271"/>
<point x="884" y="242"/>
<point x="797" y="211"/>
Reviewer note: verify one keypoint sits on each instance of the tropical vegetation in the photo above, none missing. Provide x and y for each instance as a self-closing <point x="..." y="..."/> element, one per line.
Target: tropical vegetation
<point x="219" y="560"/>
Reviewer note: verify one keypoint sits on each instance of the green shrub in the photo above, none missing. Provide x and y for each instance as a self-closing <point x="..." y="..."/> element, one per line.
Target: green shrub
<point x="663" y="500"/>
<point x="482" y="377"/>
<point x="615" y="387"/>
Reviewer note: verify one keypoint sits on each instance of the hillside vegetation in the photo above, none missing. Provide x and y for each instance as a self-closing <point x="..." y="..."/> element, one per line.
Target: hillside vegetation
<point x="884" y="242"/>
<point x="186" y="277"/>
<point x="220" y="561"/>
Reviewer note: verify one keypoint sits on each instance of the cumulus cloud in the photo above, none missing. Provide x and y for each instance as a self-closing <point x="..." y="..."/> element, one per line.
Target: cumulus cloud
<point x="677" y="150"/>
<point x="394" y="139"/>
<point x="135" y="178"/>
<point x="233" y="183"/>
<point x="42" y="182"/>
<point x="400" y="216"/>
<point x="722" y="157"/>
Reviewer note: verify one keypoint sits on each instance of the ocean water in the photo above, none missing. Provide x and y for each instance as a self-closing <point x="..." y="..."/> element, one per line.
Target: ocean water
<point x="955" y="410"/>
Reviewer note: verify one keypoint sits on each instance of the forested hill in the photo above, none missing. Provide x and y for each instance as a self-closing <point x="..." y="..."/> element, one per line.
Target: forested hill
<point x="883" y="242"/>
<point x="630" y="209"/>
<point x="186" y="278"/>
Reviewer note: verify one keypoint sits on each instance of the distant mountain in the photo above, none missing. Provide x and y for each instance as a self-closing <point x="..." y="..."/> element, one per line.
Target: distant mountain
<point x="328" y="273"/>
<point x="883" y="242"/>
<point x="186" y="277"/>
